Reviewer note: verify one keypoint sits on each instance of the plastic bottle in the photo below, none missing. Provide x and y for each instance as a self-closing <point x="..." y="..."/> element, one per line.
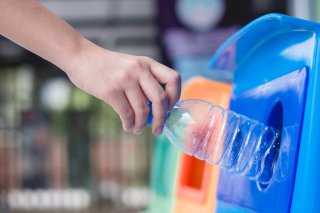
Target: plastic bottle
<point x="234" y="142"/>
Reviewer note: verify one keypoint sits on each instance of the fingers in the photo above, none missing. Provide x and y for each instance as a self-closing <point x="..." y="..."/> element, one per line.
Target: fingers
<point x="159" y="98"/>
<point x="170" y="78"/>
<point x="121" y="105"/>
<point x="139" y="104"/>
<point x="135" y="83"/>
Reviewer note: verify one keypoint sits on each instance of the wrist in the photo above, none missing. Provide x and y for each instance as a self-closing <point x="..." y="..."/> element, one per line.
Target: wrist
<point x="72" y="54"/>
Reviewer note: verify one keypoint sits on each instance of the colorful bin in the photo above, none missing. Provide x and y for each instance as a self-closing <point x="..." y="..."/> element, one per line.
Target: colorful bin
<point x="276" y="64"/>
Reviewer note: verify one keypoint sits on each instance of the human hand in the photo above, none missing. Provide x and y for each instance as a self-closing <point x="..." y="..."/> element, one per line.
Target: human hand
<point x="126" y="83"/>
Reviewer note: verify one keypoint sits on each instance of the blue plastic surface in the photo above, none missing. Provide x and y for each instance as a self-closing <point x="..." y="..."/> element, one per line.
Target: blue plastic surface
<point x="271" y="48"/>
<point x="149" y="121"/>
<point x="258" y="103"/>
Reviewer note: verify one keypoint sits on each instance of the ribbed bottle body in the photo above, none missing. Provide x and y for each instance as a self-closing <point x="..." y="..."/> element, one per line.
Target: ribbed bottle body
<point x="232" y="141"/>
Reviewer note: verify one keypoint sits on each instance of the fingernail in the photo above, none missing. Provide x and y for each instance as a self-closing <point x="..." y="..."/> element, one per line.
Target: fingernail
<point x="126" y="129"/>
<point x="158" y="130"/>
<point x="138" y="132"/>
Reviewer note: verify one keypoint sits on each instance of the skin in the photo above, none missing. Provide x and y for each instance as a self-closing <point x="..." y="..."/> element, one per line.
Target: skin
<point x="125" y="82"/>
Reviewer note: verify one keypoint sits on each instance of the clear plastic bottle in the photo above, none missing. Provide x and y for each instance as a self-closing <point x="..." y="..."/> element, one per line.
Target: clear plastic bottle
<point x="233" y="142"/>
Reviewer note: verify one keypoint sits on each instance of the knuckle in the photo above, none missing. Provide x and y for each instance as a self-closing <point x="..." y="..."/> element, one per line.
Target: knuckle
<point x="146" y="58"/>
<point x="124" y="77"/>
<point x="113" y="89"/>
<point x="106" y="97"/>
<point x="135" y="65"/>
<point x="144" y="111"/>
<point x="139" y="113"/>
<point x="162" y="97"/>
<point x="176" y="77"/>
<point x="142" y="114"/>
<point x="128" y="116"/>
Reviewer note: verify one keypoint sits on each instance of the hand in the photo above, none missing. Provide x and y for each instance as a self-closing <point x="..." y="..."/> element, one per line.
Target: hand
<point x="126" y="82"/>
<point x="123" y="81"/>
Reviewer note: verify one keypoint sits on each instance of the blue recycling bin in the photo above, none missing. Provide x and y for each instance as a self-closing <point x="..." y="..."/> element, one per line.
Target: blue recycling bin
<point x="275" y="60"/>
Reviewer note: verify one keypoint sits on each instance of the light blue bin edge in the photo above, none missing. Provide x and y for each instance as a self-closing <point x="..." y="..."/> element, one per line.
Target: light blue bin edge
<point x="290" y="21"/>
<point x="307" y="184"/>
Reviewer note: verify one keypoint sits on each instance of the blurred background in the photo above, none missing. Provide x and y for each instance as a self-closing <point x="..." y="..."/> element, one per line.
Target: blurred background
<point x="62" y="150"/>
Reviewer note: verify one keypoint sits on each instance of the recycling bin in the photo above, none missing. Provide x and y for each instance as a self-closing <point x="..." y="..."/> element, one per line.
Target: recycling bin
<point x="275" y="60"/>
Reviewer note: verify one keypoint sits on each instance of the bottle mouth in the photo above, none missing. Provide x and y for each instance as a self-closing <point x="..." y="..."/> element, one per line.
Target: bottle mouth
<point x="188" y="125"/>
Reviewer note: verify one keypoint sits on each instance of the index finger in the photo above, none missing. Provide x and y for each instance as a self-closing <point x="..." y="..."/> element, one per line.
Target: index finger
<point x="170" y="78"/>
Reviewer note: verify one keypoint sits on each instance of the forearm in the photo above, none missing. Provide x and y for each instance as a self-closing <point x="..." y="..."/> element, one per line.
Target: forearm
<point x="35" y="28"/>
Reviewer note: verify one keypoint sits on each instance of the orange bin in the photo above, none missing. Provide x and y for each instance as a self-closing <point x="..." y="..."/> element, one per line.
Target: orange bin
<point x="197" y="180"/>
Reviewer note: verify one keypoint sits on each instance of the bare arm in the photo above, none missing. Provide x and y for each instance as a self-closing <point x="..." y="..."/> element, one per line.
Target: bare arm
<point x="125" y="82"/>
<point x="35" y="28"/>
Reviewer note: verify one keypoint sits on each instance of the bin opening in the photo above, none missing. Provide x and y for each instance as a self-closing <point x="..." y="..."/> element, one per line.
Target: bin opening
<point x="194" y="178"/>
<point x="275" y="120"/>
<point x="192" y="174"/>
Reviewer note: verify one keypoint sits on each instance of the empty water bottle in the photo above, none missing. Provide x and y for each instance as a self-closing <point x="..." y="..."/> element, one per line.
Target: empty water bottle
<point x="232" y="141"/>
